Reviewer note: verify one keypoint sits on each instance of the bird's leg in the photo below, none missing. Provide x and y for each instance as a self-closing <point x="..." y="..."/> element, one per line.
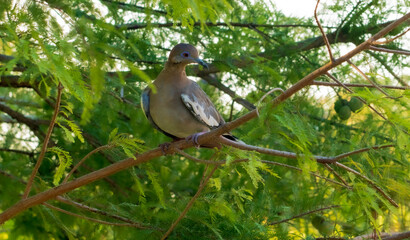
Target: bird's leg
<point x="165" y="146"/>
<point x="194" y="138"/>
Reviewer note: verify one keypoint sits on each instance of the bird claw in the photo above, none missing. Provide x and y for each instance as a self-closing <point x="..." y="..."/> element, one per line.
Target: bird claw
<point x="194" y="138"/>
<point x="164" y="147"/>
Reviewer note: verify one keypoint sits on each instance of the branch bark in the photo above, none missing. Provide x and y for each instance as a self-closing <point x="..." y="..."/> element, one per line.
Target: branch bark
<point x="45" y="144"/>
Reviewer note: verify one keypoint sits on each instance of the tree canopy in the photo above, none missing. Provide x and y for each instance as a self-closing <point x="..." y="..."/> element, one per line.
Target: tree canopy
<point x="322" y="103"/>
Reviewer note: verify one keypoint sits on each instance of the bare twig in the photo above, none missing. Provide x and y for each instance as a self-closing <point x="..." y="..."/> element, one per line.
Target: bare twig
<point x="391" y="39"/>
<point x="212" y="135"/>
<point x="319" y="159"/>
<point x="402" y="52"/>
<point x="373" y="184"/>
<point x="332" y="59"/>
<point x="91" y="219"/>
<point x="385" y="236"/>
<point x="85" y="158"/>
<point x="369" y="80"/>
<point x="45" y="144"/>
<point x="330" y="84"/>
<point x="336" y="174"/>
<point x="189" y="205"/>
<point x="304" y="214"/>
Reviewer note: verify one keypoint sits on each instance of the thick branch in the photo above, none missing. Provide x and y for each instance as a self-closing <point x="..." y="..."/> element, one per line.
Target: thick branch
<point x="212" y="135"/>
<point x="31" y="123"/>
<point x="13" y="81"/>
<point x="134" y="26"/>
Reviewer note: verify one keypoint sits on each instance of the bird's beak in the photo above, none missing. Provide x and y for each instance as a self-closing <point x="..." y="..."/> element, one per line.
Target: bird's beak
<point x="201" y="62"/>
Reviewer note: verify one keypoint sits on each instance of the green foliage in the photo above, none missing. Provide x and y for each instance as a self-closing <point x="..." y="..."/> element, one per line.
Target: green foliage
<point x="65" y="161"/>
<point x="103" y="67"/>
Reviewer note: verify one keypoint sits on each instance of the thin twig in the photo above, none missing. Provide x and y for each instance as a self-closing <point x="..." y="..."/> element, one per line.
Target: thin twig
<point x="369" y="80"/>
<point x="91" y="219"/>
<point x="336" y="174"/>
<point x="379" y="49"/>
<point x="351" y="91"/>
<point x="45" y="144"/>
<point x="208" y="162"/>
<point x="332" y="59"/>
<point x="85" y="158"/>
<point x="373" y="184"/>
<point x="391" y="39"/>
<point x="330" y="84"/>
<point x="388" y="68"/>
<point x="319" y="159"/>
<point x="103" y="213"/>
<point x="189" y="205"/>
<point x="303" y="214"/>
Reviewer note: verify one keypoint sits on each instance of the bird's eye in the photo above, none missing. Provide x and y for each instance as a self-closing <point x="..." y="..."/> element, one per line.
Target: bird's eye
<point x="185" y="54"/>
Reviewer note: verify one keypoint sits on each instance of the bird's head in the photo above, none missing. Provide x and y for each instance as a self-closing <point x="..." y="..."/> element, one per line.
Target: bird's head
<point x="185" y="54"/>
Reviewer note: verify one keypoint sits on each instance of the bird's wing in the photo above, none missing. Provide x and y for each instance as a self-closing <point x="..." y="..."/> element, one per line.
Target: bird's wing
<point x="199" y="104"/>
<point x="145" y="101"/>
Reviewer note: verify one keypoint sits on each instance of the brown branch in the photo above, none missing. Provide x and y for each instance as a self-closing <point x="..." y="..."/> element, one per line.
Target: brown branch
<point x="323" y="33"/>
<point x="147" y="156"/>
<point x="379" y="49"/>
<point x="92" y="219"/>
<point x="84" y="207"/>
<point x="336" y="174"/>
<point x="303" y="214"/>
<point x="373" y="184"/>
<point x="385" y="236"/>
<point x="45" y="144"/>
<point x="189" y="205"/>
<point x="330" y="84"/>
<point x="319" y="159"/>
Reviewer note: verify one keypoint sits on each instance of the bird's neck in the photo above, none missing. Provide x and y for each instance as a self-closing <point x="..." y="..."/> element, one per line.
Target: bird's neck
<point x="176" y="70"/>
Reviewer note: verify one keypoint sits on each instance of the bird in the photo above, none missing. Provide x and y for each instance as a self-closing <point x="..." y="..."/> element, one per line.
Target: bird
<point x="177" y="106"/>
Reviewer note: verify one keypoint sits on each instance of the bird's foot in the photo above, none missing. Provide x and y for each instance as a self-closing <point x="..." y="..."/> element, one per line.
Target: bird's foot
<point x="164" y="147"/>
<point x="194" y="138"/>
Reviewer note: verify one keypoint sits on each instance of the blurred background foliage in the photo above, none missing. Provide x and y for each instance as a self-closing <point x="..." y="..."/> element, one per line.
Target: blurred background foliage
<point x="105" y="52"/>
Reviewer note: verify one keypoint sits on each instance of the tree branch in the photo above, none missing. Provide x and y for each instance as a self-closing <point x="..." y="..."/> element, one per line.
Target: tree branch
<point x="93" y="219"/>
<point x="329" y="49"/>
<point x="212" y="135"/>
<point x="303" y="214"/>
<point x="45" y="144"/>
<point x="264" y="161"/>
<point x="379" y="49"/>
<point x="189" y="205"/>
<point x="330" y="84"/>
<point x="134" y="26"/>
<point x="373" y="184"/>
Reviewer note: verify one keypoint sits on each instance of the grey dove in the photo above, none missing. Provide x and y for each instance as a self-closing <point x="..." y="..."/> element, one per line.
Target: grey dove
<point x="180" y="108"/>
